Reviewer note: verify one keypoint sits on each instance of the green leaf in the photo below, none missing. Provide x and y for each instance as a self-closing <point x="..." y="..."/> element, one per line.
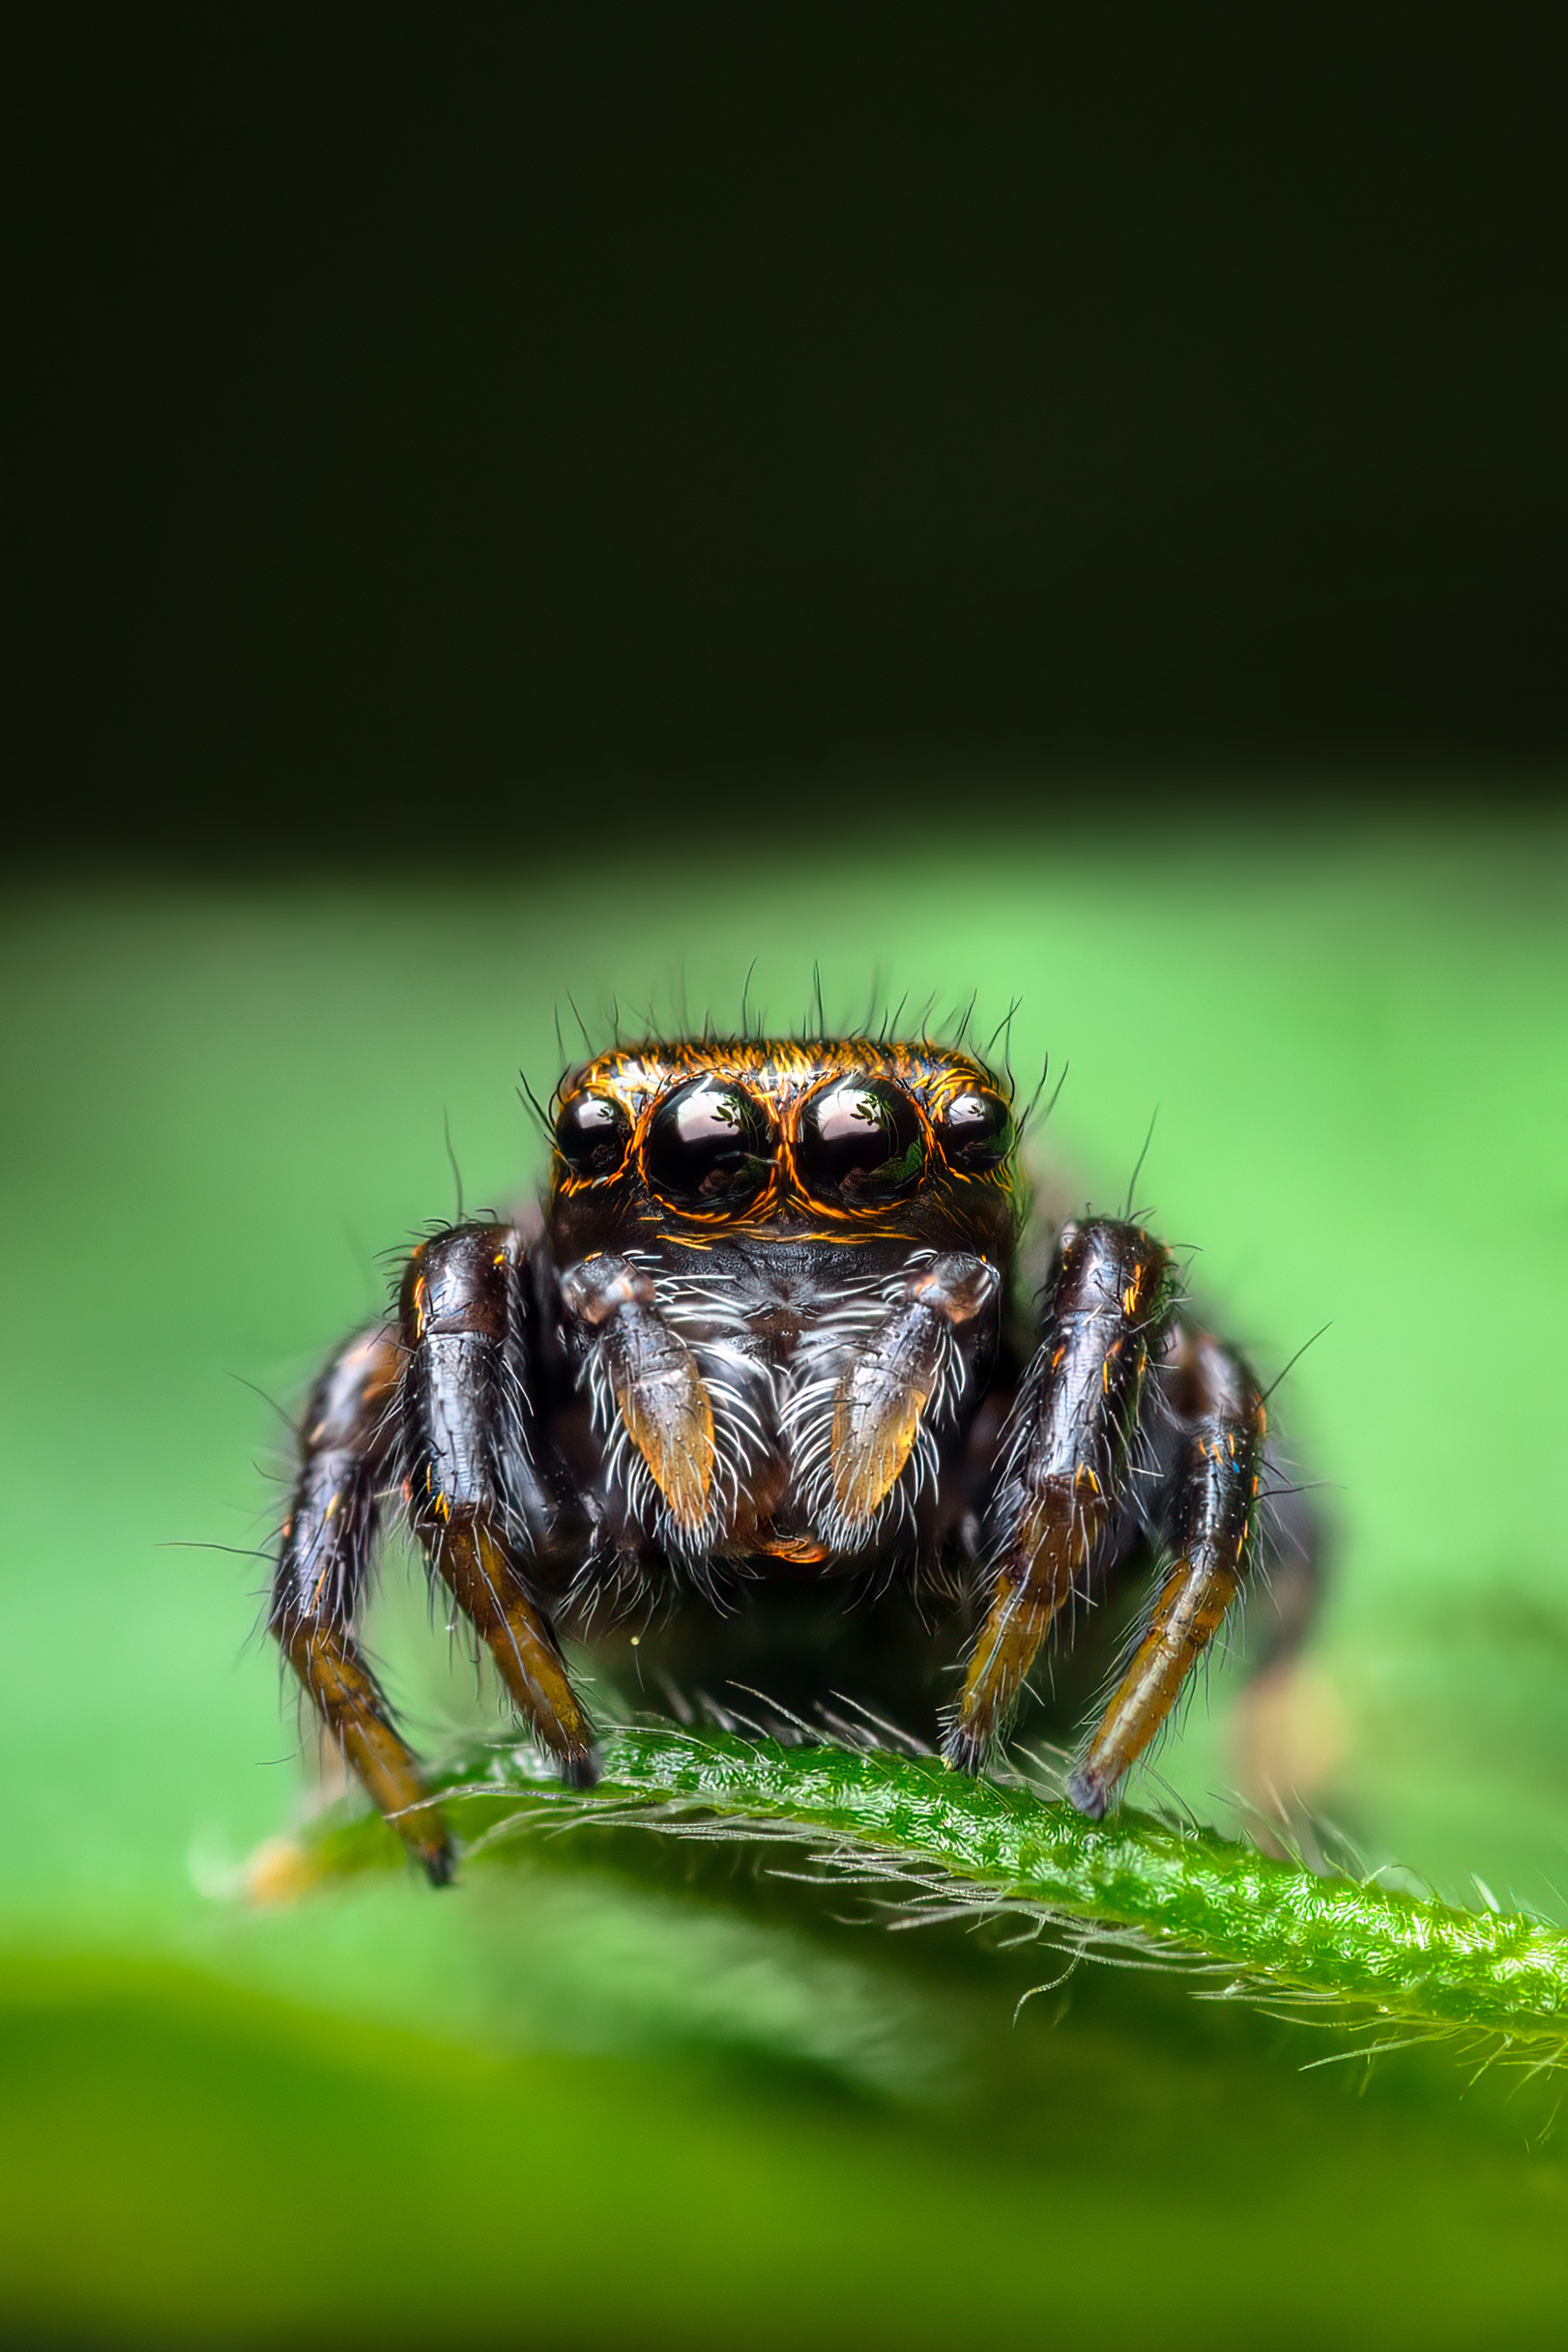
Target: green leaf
<point x="932" y="1837"/>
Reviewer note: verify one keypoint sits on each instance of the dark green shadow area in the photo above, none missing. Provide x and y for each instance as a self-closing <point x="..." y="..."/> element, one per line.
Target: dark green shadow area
<point x="630" y="2090"/>
<point x="239" y="2168"/>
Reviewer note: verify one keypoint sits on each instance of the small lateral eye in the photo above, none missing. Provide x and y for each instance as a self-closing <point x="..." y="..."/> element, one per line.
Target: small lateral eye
<point x="709" y="1146"/>
<point x="591" y="1132"/>
<point x="860" y="1142"/>
<point x="975" y="1130"/>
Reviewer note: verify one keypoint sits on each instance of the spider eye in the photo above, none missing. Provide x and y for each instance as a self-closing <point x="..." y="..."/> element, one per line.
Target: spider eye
<point x="708" y="1146"/>
<point x="860" y="1142"/>
<point x="975" y="1129"/>
<point x="592" y="1133"/>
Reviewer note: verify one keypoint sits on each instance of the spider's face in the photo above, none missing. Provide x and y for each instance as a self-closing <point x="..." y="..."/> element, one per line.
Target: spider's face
<point x="754" y="1141"/>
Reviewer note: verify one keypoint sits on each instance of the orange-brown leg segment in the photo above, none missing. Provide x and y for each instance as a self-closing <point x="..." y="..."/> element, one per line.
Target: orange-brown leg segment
<point x="460" y="1427"/>
<point x="888" y="1388"/>
<point x="1065" y="1459"/>
<point x="328" y="1662"/>
<point x="653" y="1381"/>
<point x="322" y="1568"/>
<point x="1208" y="1531"/>
<point x="475" y="1564"/>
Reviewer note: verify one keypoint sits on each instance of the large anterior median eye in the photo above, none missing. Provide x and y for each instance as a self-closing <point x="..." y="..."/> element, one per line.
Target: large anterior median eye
<point x="591" y="1132"/>
<point x="708" y="1146"/>
<point x="974" y="1129"/>
<point x="860" y="1142"/>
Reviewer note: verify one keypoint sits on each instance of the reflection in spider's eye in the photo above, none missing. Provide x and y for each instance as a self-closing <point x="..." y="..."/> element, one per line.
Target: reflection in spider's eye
<point x="975" y="1129"/>
<point x="591" y="1132"/>
<point x="860" y="1142"/>
<point x="709" y="1146"/>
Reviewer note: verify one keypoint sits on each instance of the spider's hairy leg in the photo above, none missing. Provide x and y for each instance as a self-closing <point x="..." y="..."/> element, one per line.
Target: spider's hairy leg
<point x="1206" y="1521"/>
<point x="890" y="1384"/>
<point x="653" y="1380"/>
<point x="1064" y="1458"/>
<point x="329" y="1538"/>
<point x="461" y="1299"/>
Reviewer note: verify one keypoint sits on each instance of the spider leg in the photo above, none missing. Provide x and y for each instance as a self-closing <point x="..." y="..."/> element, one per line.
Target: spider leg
<point x="1207" y="1520"/>
<point x="895" y="1383"/>
<point x="328" y="1540"/>
<point x="463" y="1428"/>
<point x="883" y="1399"/>
<point x="654" y="1386"/>
<point x="1064" y="1455"/>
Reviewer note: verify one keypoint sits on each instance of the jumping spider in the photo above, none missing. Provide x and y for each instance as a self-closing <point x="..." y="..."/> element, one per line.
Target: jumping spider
<point x="757" y="1361"/>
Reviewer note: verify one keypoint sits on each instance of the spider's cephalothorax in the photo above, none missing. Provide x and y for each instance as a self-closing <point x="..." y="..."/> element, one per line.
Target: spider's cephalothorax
<point x="758" y="1361"/>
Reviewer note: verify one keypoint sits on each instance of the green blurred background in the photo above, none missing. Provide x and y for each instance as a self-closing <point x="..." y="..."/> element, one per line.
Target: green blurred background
<point x="517" y="516"/>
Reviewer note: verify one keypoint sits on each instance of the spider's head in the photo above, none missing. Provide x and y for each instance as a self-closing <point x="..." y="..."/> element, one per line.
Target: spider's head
<point x="754" y="1140"/>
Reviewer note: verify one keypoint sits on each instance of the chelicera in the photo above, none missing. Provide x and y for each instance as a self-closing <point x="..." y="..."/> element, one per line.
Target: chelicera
<point x="757" y="1399"/>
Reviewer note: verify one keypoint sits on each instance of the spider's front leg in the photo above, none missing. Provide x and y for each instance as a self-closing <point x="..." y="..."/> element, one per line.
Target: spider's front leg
<point x="1105" y="1311"/>
<point x="346" y="1445"/>
<point x="465" y="1456"/>
<point x="1205" y="1523"/>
